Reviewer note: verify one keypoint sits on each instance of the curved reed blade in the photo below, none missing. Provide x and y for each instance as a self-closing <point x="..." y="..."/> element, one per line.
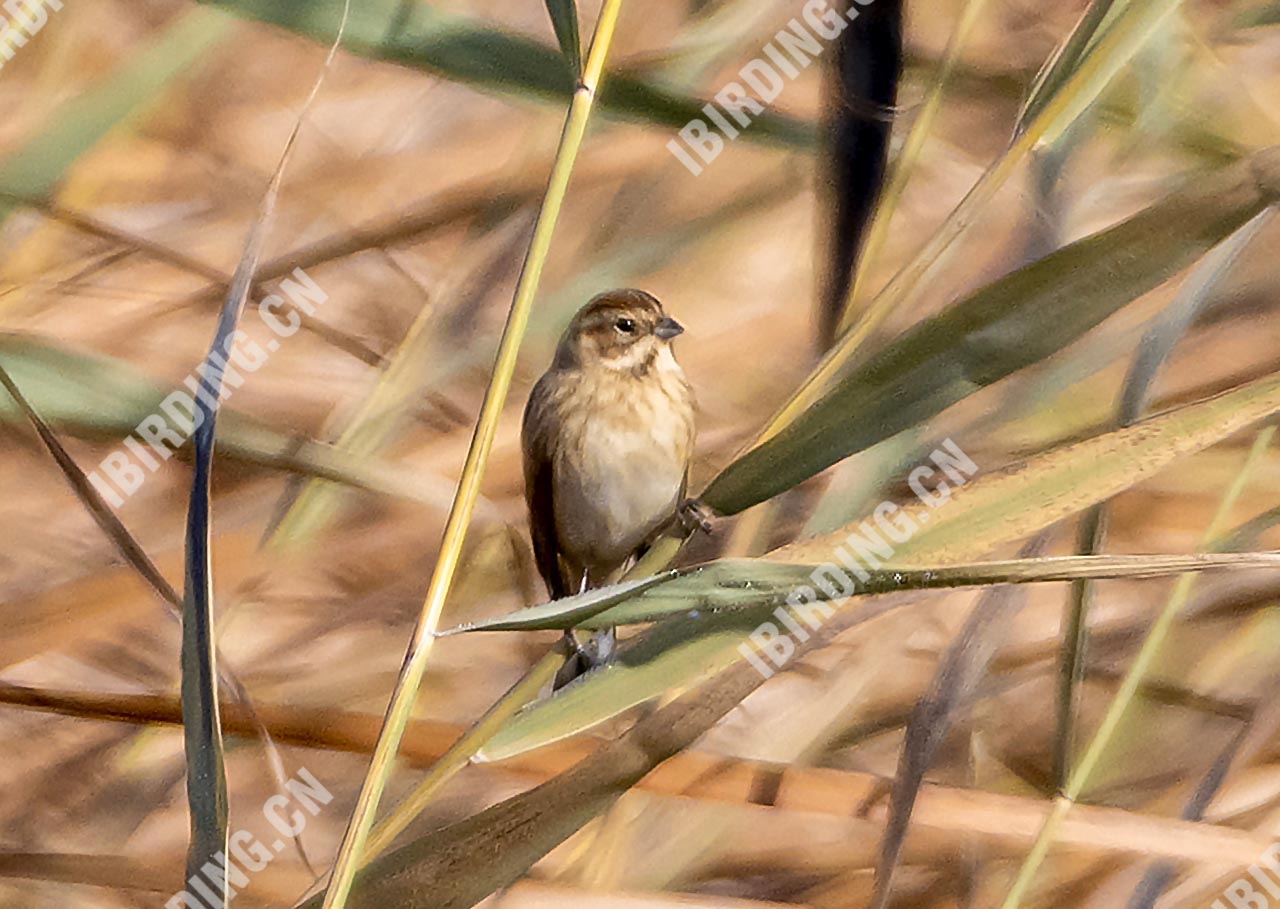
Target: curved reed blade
<point x="106" y="519"/>
<point x="567" y="612"/>
<point x="1168" y="328"/>
<point x="460" y="864"/>
<point x="445" y="869"/>
<point x="703" y="618"/>
<point x="1064" y="481"/>
<point x="861" y="110"/>
<point x="202" y="732"/>
<point x="758" y="586"/>
<point x="136" y="557"/>
<point x="1019" y="320"/>
<point x="351" y="852"/>
<point x="1004" y="506"/>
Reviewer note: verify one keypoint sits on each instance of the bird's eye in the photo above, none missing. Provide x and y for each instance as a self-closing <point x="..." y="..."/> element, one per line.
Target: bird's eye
<point x="626" y="326"/>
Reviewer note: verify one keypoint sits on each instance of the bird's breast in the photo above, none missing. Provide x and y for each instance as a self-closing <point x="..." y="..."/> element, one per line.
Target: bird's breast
<point x="621" y="467"/>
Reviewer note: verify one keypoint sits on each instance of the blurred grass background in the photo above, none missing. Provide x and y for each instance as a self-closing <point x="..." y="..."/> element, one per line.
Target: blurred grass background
<point x="137" y="143"/>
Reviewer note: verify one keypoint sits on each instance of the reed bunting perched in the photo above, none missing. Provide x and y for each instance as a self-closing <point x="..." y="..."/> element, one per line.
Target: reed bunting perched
<point x="607" y="437"/>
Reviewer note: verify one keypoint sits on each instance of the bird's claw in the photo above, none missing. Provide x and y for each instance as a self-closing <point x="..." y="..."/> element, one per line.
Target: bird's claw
<point x="584" y="656"/>
<point x="695" y="516"/>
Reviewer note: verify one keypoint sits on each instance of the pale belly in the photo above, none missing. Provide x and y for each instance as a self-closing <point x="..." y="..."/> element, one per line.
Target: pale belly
<point x="610" y="499"/>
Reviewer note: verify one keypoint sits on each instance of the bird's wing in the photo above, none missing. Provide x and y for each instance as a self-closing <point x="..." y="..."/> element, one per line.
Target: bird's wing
<point x="538" y="434"/>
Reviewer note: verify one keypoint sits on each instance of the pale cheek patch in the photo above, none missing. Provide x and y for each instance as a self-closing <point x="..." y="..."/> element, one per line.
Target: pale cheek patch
<point x="632" y="357"/>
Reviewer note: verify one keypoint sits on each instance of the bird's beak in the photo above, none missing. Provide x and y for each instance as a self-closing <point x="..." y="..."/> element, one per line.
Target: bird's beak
<point x="668" y="328"/>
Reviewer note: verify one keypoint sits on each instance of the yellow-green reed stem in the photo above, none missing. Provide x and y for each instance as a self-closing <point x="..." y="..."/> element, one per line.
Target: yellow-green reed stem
<point x="1094" y="73"/>
<point x="461" y="752"/>
<point x="1093" y="23"/>
<point x="864" y="323"/>
<point x="1133" y="680"/>
<point x="351" y="852"/>
<point x="750" y="531"/>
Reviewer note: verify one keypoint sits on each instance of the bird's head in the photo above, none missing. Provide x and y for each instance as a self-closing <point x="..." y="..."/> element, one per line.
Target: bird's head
<point x="623" y="330"/>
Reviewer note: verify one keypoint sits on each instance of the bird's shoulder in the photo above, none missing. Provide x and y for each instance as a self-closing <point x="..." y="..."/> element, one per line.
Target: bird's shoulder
<point x="540" y="410"/>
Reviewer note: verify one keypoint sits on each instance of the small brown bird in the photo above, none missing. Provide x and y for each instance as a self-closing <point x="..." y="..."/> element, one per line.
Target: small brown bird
<point x="607" y="437"/>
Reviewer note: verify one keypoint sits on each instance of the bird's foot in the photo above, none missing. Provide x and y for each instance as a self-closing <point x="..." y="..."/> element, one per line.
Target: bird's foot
<point x="575" y="661"/>
<point x="695" y="516"/>
<point x="584" y="656"/>
<point x="600" y="649"/>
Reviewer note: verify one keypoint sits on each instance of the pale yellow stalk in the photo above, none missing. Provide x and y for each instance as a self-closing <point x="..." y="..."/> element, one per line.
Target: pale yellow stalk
<point x="351" y="852"/>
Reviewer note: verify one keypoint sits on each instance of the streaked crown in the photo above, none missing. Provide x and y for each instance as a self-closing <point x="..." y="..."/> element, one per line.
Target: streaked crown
<point x="623" y="328"/>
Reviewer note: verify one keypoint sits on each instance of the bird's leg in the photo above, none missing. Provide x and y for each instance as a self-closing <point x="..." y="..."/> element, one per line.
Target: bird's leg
<point x="572" y="642"/>
<point x="575" y="663"/>
<point x="695" y="516"/>
<point x="580" y="653"/>
<point x="576" y="647"/>
<point x="599" y="649"/>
